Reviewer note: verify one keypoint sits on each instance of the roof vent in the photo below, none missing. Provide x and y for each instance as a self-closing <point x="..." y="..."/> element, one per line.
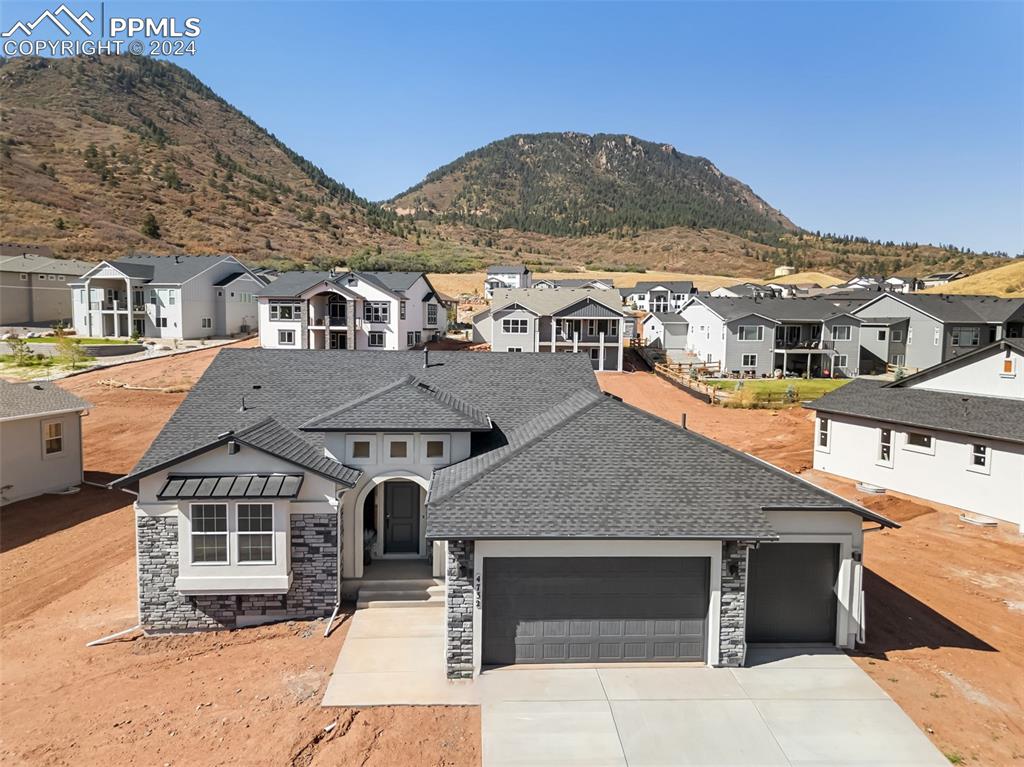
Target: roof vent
<point x="37" y="387"/>
<point x="242" y="408"/>
<point x="177" y="259"/>
<point x="426" y="358"/>
<point x="256" y="387"/>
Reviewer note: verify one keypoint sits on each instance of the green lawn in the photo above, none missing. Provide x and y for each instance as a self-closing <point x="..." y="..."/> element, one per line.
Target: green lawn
<point x="94" y="341"/>
<point x="805" y="388"/>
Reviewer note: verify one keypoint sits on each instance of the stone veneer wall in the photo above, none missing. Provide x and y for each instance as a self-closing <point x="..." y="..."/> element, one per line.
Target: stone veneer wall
<point x="732" y="632"/>
<point x="314" y="562"/>
<point x="459" y="610"/>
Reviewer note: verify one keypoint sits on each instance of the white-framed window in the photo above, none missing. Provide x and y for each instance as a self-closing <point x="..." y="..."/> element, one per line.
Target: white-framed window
<point x="882" y="334"/>
<point x="401" y="310"/>
<point x="286" y="337"/>
<point x="595" y="355"/>
<point x="360" y="448"/>
<point x="919" y="442"/>
<point x="899" y="360"/>
<point x="209" y="533"/>
<point x="23" y="276"/>
<point x="591" y="327"/>
<point x="280" y="310"/>
<point x="255" y="533"/>
<point x="515" y="326"/>
<point x="207" y="323"/>
<point x="966" y="336"/>
<point x="53" y="438"/>
<point x="750" y="333"/>
<point x="936" y="336"/>
<point x="884" y="456"/>
<point x="910" y="336"/>
<point x="981" y="459"/>
<point x="840" y="361"/>
<point x="161" y="322"/>
<point x="749" y="361"/>
<point x="514" y="349"/>
<point x="841" y="333"/>
<point x="377" y="311"/>
<point x="431" y="314"/>
<point x="824" y="438"/>
<point x="413" y="337"/>
<point x="172" y="297"/>
<point x="897" y="336"/>
<point x="435" y="448"/>
<point x="60" y="278"/>
<point x="398" y="448"/>
<point x="375" y="339"/>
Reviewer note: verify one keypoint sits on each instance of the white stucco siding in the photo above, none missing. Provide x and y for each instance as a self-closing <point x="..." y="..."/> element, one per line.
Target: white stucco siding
<point x="237" y="306"/>
<point x="846" y="530"/>
<point x="270" y="329"/>
<point x="985" y="376"/>
<point x="370" y="293"/>
<point x="711" y="550"/>
<point x="26" y="469"/>
<point x="945" y="475"/>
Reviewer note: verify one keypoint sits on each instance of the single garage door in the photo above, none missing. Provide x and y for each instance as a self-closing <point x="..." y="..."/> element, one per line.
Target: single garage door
<point x="791" y="592"/>
<point x="594" y="609"/>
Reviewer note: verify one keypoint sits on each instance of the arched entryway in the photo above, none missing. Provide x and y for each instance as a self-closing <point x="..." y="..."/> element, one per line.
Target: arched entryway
<point x="389" y="521"/>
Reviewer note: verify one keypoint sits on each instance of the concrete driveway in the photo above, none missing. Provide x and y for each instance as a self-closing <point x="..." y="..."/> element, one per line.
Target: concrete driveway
<point x="788" y="707"/>
<point x="785" y="709"/>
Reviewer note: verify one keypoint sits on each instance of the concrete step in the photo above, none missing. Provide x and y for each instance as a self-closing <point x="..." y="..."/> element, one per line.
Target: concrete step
<point x="400" y="585"/>
<point x="429" y="601"/>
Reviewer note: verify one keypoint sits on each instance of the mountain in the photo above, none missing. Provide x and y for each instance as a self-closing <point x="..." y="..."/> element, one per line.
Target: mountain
<point x="91" y="146"/>
<point x="577" y="184"/>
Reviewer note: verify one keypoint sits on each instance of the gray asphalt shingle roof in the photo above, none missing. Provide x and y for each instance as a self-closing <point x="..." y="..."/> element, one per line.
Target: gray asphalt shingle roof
<point x="779" y="309"/>
<point x="676" y="286"/>
<point x="991" y="417"/>
<point x="569" y="476"/>
<point x="668" y="318"/>
<point x="166" y="269"/>
<point x="966" y="309"/>
<point x="37" y="264"/>
<point x="507" y="269"/>
<point x="407" y="404"/>
<point x="548" y="301"/>
<point x="271" y="437"/>
<point x="291" y="284"/>
<point x="22" y="400"/>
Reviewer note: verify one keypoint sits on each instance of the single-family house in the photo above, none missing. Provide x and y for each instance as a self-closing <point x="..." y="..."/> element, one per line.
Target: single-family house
<point x="756" y="336"/>
<point x="34" y="285"/>
<point x="503" y="276"/>
<point x="896" y="284"/>
<point x="499" y="480"/>
<point x="746" y="290"/>
<point x="590" y="322"/>
<point x="941" y="278"/>
<point x="40" y="440"/>
<point x="952" y="433"/>
<point x="666" y="331"/>
<point x="668" y="296"/>
<point x="595" y="284"/>
<point x="915" y="330"/>
<point x="173" y="297"/>
<point x="350" y="310"/>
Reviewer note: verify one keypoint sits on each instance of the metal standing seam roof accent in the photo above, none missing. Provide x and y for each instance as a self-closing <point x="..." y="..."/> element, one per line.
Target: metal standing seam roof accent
<point x="233" y="486"/>
<point x="408" y="404"/>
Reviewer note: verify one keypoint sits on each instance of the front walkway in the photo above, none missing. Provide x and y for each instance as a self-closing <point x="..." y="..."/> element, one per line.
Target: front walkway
<point x="788" y="707"/>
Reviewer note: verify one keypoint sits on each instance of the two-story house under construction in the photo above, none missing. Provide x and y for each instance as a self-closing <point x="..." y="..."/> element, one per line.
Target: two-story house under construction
<point x="352" y="310"/>
<point x="590" y="322"/>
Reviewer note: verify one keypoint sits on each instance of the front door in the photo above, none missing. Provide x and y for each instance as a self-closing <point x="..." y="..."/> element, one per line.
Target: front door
<point x="338" y="340"/>
<point x="401" y="517"/>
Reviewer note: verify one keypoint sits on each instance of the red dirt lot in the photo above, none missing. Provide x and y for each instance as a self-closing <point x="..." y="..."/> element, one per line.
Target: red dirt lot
<point x="67" y="576"/>
<point x="945" y="600"/>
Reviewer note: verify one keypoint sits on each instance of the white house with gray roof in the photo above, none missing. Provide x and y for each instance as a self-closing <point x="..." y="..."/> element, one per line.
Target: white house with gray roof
<point x="916" y="331"/>
<point x="585" y="321"/>
<point x="666" y="331"/>
<point x="505" y="276"/>
<point x="667" y="296"/>
<point x="756" y="336"/>
<point x="492" y="489"/>
<point x="40" y="440"/>
<point x="170" y="297"/>
<point x="351" y="310"/>
<point x="953" y="433"/>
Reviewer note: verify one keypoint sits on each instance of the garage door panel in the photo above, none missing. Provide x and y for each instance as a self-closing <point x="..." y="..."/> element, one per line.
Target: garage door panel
<point x="602" y="609"/>
<point x="791" y="593"/>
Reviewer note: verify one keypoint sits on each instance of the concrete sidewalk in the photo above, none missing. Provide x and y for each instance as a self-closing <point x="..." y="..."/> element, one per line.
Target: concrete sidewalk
<point x="788" y="707"/>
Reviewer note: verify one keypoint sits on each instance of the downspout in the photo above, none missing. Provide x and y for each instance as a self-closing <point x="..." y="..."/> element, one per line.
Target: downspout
<point x="340" y="495"/>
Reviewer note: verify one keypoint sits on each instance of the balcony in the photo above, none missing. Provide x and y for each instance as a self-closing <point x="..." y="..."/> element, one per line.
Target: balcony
<point x="805" y="345"/>
<point x="110" y="306"/>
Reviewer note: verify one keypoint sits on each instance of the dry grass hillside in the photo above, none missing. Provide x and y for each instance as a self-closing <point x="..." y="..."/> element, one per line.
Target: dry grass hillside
<point x="472" y="282"/>
<point x="1006" y="281"/>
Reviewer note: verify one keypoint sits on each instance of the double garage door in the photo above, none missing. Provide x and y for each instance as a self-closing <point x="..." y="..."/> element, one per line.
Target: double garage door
<point x="594" y="609"/>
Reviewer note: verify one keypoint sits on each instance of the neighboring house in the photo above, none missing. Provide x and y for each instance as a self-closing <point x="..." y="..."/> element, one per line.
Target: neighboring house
<point x="941" y="278"/>
<point x="555" y="320"/>
<point x="587" y="284"/>
<point x="666" y="331"/>
<point x="502" y="276"/>
<point x="351" y="310"/>
<point x="34" y="286"/>
<point x="40" y="440"/>
<point x="953" y="433"/>
<point x="757" y="336"/>
<point x="746" y="290"/>
<point x="658" y="296"/>
<point x="504" y="477"/>
<point x="917" y="330"/>
<point x="174" y="297"/>
<point x="902" y="284"/>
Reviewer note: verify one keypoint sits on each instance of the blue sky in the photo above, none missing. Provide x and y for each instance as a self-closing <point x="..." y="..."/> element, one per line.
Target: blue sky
<point x="900" y="121"/>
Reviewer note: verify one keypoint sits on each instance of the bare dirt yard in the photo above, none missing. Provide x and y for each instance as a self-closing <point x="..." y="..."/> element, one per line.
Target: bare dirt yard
<point x="945" y="600"/>
<point x="67" y="576"/>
